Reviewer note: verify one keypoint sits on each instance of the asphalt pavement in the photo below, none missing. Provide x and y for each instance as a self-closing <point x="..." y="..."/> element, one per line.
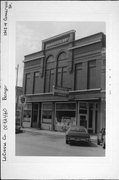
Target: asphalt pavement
<point x="53" y="144"/>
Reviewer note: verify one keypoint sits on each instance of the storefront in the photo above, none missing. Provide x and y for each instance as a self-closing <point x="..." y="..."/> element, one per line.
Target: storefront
<point x="59" y="116"/>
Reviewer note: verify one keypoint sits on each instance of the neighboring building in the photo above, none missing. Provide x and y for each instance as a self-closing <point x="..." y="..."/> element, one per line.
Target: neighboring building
<point x="19" y="92"/>
<point x="64" y="83"/>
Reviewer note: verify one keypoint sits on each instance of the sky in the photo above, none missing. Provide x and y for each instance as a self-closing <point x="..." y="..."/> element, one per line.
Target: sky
<point x="29" y="36"/>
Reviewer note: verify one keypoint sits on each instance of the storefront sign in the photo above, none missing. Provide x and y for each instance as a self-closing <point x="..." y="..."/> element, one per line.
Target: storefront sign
<point x="58" y="42"/>
<point x="22" y="99"/>
<point x="57" y="91"/>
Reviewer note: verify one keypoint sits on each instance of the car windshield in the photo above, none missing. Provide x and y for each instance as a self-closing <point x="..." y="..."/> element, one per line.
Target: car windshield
<point x="78" y="129"/>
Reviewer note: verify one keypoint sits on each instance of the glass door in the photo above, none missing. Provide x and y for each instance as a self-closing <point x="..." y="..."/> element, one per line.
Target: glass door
<point x="35" y="115"/>
<point x="83" y="121"/>
<point x="93" y="117"/>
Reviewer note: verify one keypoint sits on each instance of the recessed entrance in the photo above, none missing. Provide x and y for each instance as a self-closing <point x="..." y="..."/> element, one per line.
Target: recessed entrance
<point x="88" y="114"/>
<point x="91" y="119"/>
<point x="36" y="115"/>
<point x="83" y="111"/>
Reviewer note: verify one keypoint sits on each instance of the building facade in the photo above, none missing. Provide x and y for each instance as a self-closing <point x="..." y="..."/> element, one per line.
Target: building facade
<point x="19" y="92"/>
<point x="64" y="83"/>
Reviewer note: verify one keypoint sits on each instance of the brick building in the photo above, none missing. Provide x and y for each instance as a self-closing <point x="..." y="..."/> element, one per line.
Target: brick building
<point x="64" y="83"/>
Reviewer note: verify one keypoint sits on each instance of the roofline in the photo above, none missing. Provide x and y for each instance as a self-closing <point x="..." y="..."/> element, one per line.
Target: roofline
<point x="57" y="36"/>
<point x="89" y="36"/>
<point x="24" y="61"/>
<point x="85" y="44"/>
<point x="65" y="33"/>
<point x="33" y="53"/>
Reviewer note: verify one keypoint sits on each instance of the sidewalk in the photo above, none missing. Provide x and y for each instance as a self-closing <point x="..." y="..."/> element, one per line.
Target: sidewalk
<point x="40" y="132"/>
<point x="54" y="133"/>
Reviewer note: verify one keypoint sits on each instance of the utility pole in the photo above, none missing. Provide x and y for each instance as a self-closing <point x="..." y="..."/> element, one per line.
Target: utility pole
<point x="17" y="98"/>
<point x="17" y="70"/>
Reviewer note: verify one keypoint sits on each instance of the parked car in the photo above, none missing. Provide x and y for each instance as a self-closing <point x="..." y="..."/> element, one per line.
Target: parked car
<point x="103" y="143"/>
<point x="77" y="134"/>
<point x="101" y="136"/>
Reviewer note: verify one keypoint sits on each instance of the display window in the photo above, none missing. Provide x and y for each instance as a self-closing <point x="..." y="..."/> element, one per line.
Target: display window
<point x="65" y="116"/>
<point x="47" y="113"/>
<point x="47" y="117"/>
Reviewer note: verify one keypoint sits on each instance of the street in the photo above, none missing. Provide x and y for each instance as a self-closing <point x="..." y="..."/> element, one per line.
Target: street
<point x="53" y="145"/>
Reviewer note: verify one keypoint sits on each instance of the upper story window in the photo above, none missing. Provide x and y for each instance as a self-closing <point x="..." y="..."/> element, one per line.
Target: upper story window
<point x="50" y="62"/>
<point x="92" y="75"/>
<point x="49" y="74"/>
<point x="61" y="80"/>
<point x="79" y="76"/>
<point x="50" y="59"/>
<point x="62" y="60"/>
<point x="36" y="82"/>
<point x="28" y="86"/>
<point x="62" y="56"/>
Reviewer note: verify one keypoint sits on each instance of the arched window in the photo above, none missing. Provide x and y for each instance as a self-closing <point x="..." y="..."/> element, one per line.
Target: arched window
<point x="62" y="56"/>
<point x="50" y="59"/>
<point x="49" y="74"/>
<point x="62" y="70"/>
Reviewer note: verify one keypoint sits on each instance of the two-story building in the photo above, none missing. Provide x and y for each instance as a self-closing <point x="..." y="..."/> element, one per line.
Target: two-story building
<point x="64" y="83"/>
